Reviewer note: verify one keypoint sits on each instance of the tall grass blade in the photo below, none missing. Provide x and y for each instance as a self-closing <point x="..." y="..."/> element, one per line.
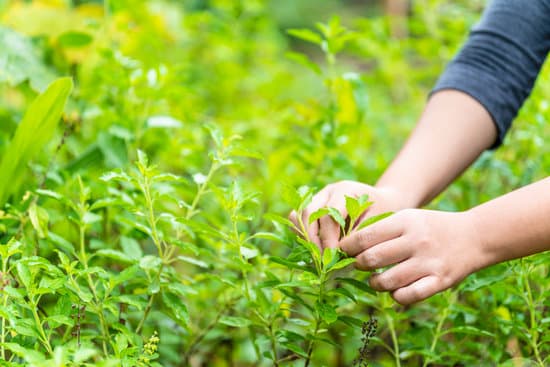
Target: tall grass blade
<point x="34" y="131"/>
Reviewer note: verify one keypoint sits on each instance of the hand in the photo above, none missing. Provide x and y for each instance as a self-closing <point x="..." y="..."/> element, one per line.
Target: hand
<point x="325" y="232"/>
<point x="432" y="251"/>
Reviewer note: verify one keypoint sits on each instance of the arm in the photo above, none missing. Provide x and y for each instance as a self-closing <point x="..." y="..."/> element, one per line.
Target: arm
<point x="435" y="250"/>
<point x="471" y="108"/>
<point x="497" y="69"/>
<point x="441" y="147"/>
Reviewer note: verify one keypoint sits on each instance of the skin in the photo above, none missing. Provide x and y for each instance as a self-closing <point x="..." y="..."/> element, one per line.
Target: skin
<point x="433" y="250"/>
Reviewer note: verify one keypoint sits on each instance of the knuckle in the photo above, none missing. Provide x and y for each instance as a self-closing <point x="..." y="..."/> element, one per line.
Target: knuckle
<point x="369" y="260"/>
<point x="365" y="236"/>
<point x="446" y="281"/>
<point x="384" y="282"/>
<point x="413" y="295"/>
<point x="439" y="268"/>
<point x="422" y="240"/>
<point x="399" y="297"/>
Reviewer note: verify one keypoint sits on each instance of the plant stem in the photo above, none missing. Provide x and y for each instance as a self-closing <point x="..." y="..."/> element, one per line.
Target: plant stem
<point x="146" y="189"/>
<point x="395" y="342"/>
<point x="437" y="333"/>
<point x="318" y="265"/>
<point x="3" y="335"/>
<point x="150" y="302"/>
<point x="97" y="306"/>
<point x="238" y="243"/>
<point x="322" y="280"/>
<point x="273" y="346"/>
<point x="534" y="334"/>
<point x="4" y="304"/>
<point x="311" y="342"/>
<point x="200" y="192"/>
<point x="43" y="338"/>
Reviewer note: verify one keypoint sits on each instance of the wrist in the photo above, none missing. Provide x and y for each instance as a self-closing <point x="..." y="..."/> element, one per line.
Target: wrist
<point x="401" y="198"/>
<point x="482" y="254"/>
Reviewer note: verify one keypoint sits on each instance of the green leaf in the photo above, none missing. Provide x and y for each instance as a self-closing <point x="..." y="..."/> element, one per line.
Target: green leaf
<point x="58" y="320"/>
<point x="268" y="236"/>
<point x="234" y="321"/>
<point x="289" y="264"/>
<point x="330" y="257"/>
<point x="291" y="197"/>
<point x="306" y="35"/>
<point x="337" y="216"/>
<point x="11" y="248"/>
<point x="318" y="214"/>
<point x="29" y="355"/>
<point x="351" y="321"/>
<point x="373" y="220"/>
<point x="175" y="304"/>
<point x="344" y="292"/>
<point x="191" y="260"/>
<point x="131" y="248"/>
<point x="135" y="301"/>
<point x="357" y="206"/>
<point x="83" y="353"/>
<point x="34" y="131"/>
<point x="326" y="312"/>
<point x="149" y="262"/>
<point x="20" y="61"/>
<point x="114" y="149"/>
<point x="61" y="243"/>
<point x="357" y="284"/>
<point x="25" y="327"/>
<point x="74" y="39"/>
<point x="39" y="219"/>
<point x="90" y="218"/>
<point x="25" y="274"/>
<point x="467" y="329"/>
<point x="115" y="255"/>
<point x="248" y="252"/>
<point x="312" y="248"/>
<point x="304" y="61"/>
<point x="295" y="348"/>
<point x="360" y="95"/>
<point x="343" y="263"/>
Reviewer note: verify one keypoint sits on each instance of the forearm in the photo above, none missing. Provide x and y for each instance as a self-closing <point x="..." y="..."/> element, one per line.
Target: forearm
<point x="451" y="134"/>
<point x="514" y="225"/>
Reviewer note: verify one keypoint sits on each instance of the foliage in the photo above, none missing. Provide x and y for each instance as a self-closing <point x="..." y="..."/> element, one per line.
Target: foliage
<point x="147" y="226"/>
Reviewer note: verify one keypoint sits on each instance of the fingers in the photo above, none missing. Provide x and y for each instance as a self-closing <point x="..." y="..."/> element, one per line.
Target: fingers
<point x="399" y="276"/>
<point x="418" y="291"/>
<point x="382" y="231"/>
<point x="387" y="253"/>
<point x="329" y="231"/>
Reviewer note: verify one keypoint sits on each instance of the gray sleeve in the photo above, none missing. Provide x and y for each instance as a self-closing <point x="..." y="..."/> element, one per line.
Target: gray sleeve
<point x="500" y="62"/>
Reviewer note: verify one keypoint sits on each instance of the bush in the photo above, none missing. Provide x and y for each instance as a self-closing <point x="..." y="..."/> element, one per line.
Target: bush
<point x="149" y="227"/>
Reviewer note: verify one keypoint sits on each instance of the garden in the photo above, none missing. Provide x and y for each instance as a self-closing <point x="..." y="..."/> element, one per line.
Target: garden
<point x="151" y="152"/>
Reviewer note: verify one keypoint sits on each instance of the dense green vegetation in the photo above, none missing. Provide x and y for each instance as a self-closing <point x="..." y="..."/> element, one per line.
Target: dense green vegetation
<point x="150" y="154"/>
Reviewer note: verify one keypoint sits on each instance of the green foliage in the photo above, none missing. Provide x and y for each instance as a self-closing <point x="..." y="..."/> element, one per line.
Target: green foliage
<point x="150" y="228"/>
<point x="34" y="131"/>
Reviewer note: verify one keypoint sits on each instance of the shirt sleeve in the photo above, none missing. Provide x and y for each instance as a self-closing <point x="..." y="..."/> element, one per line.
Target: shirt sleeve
<point x="501" y="60"/>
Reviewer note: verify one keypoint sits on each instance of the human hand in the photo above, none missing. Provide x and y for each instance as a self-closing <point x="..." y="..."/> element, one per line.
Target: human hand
<point x="325" y="232"/>
<point x="430" y="250"/>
